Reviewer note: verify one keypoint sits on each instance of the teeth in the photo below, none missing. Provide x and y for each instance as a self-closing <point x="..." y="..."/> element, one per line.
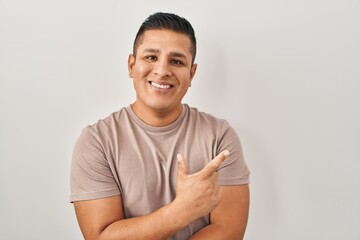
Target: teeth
<point x="160" y="85"/>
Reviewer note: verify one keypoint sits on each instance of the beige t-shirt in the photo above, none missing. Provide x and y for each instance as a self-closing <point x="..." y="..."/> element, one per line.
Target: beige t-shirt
<point x="123" y="155"/>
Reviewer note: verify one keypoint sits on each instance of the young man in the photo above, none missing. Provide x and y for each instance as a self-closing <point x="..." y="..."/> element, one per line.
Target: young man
<point x="159" y="169"/>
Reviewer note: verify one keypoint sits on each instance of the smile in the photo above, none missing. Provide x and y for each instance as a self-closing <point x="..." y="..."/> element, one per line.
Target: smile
<point x="162" y="86"/>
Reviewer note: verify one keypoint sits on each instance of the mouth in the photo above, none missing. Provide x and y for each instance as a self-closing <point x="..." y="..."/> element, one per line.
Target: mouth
<point x="160" y="86"/>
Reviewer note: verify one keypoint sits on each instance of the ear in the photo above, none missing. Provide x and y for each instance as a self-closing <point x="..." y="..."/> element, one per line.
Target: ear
<point x="131" y="62"/>
<point x="192" y="72"/>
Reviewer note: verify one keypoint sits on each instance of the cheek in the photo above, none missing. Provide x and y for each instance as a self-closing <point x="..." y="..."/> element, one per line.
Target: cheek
<point x="185" y="77"/>
<point x="143" y="70"/>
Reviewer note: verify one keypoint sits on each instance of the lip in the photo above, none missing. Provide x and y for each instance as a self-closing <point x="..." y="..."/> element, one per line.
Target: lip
<point x="159" y="85"/>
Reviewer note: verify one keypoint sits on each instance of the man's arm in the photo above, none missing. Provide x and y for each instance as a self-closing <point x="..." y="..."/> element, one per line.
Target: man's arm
<point x="229" y="219"/>
<point x="104" y="219"/>
<point x="197" y="193"/>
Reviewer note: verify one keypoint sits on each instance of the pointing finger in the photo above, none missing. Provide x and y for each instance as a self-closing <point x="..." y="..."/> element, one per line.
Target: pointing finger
<point x="214" y="164"/>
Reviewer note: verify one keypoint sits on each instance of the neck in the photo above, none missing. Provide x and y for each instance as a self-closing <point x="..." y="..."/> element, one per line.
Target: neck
<point x="155" y="117"/>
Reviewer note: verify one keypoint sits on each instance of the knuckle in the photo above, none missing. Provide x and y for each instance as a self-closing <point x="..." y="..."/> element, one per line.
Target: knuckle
<point x="213" y="165"/>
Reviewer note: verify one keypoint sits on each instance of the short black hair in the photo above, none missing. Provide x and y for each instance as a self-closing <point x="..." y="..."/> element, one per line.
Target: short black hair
<point x="167" y="21"/>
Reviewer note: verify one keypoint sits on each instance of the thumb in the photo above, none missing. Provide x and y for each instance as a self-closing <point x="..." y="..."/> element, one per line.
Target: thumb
<point x="182" y="167"/>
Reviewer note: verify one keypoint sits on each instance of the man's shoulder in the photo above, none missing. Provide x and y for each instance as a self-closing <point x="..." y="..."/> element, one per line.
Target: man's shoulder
<point x="204" y="117"/>
<point x="108" y="122"/>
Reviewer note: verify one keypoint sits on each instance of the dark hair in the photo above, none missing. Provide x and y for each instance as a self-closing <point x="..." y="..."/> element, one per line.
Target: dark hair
<point x="167" y="21"/>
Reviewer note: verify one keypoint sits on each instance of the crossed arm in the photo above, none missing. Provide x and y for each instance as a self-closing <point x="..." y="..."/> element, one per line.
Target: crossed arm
<point x="198" y="194"/>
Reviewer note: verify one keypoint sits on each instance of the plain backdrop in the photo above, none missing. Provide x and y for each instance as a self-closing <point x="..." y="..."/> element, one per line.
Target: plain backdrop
<point x="285" y="74"/>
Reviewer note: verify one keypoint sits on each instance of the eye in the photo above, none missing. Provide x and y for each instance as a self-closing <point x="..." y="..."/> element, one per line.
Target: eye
<point x="151" y="58"/>
<point x="176" y="62"/>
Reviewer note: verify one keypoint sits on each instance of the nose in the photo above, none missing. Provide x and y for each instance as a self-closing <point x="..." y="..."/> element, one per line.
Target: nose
<point x="162" y="69"/>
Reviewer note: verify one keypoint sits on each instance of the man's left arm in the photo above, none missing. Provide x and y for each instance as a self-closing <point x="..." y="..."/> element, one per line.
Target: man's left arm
<point x="229" y="219"/>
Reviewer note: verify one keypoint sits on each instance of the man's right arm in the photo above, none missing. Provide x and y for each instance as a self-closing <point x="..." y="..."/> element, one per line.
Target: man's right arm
<point x="104" y="219"/>
<point x="197" y="193"/>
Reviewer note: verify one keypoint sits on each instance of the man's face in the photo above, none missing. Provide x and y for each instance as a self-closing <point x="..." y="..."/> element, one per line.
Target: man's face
<point x="162" y="71"/>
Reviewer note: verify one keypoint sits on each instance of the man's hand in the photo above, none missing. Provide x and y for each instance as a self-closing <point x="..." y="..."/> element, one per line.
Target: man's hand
<point x="198" y="193"/>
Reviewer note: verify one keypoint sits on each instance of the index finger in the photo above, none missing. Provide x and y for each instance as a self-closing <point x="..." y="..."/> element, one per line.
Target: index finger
<point x="214" y="164"/>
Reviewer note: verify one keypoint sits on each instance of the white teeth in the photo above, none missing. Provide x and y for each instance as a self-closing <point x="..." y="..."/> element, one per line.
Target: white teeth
<point x="160" y="85"/>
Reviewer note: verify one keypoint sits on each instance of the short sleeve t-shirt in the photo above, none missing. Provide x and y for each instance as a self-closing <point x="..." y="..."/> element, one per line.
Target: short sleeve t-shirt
<point x="123" y="155"/>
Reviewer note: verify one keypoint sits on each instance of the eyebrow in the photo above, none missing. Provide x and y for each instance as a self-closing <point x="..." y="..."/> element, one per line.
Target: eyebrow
<point x="173" y="54"/>
<point x="151" y="50"/>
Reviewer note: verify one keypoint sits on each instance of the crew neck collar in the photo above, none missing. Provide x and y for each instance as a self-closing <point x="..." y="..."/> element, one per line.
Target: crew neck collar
<point x="166" y="128"/>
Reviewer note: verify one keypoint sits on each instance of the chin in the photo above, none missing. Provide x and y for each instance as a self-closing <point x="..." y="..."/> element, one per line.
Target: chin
<point x="162" y="106"/>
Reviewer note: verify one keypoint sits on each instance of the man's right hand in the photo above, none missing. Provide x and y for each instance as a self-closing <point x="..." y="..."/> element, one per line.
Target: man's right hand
<point x="198" y="193"/>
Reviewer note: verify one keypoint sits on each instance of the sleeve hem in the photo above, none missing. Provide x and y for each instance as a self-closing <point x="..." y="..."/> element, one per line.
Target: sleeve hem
<point x="93" y="195"/>
<point x="232" y="182"/>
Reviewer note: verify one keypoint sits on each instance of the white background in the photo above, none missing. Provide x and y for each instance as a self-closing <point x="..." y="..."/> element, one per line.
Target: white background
<point x="285" y="74"/>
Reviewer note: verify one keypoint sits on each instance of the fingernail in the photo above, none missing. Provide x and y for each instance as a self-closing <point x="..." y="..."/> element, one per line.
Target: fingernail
<point x="226" y="153"/>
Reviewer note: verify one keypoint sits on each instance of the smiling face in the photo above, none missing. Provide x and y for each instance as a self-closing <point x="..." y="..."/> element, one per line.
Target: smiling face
<point x="162" y="72"/>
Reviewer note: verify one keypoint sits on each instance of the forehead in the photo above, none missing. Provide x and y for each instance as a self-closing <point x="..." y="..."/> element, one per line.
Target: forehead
<point x="165" y="40"/>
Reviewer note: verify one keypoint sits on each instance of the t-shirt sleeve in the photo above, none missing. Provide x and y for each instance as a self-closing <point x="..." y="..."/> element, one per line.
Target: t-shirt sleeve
<point x="91" y="176"/>
<point x="233" y="170"/>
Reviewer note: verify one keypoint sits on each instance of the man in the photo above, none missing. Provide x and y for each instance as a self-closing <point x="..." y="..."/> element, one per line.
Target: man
<point x="159" y="169"/>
